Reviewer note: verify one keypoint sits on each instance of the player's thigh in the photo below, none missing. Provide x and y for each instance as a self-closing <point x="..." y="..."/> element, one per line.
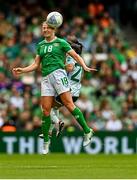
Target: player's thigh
<point x="67" y="100"/>
<point x="46" y="103"/>
<point x="47" y="88"/>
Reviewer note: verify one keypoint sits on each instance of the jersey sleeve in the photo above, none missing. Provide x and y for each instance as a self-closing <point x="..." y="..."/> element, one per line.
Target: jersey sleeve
<point x="38" y="50"/>
<point x="66" y="46"/>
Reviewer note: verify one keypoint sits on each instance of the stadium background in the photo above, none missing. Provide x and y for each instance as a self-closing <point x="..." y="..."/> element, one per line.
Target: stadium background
<point x="108" y="97"/>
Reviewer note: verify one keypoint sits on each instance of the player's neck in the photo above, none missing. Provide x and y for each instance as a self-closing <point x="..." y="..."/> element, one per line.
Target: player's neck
<point x="50" y="39"/>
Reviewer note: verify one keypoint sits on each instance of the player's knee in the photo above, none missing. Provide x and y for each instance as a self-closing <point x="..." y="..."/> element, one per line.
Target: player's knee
<point x="46" y="112"/>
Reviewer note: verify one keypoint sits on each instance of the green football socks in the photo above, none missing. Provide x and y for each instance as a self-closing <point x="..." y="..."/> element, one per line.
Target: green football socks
<point x="46" y="122"/>
<point x="81" y="120"/>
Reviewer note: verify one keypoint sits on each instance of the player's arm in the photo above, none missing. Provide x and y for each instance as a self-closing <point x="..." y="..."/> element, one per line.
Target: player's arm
<point x="79" y="60"/>
<point x="30" y="68"/>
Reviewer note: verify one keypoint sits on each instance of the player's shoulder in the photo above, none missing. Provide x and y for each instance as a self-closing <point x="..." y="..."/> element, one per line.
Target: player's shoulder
<point x="61" y="40"/>
<point x="41" y="43"/>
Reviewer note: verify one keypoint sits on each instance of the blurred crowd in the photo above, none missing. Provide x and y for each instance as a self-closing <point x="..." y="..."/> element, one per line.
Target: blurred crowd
<point x="108" y="97"/>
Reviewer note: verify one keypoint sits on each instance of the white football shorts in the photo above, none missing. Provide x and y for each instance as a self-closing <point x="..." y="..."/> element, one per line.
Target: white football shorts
<point x="55" y="83"/>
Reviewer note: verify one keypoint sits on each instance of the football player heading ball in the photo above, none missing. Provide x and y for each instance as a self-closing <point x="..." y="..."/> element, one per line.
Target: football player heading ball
<point x="54" y="19"/>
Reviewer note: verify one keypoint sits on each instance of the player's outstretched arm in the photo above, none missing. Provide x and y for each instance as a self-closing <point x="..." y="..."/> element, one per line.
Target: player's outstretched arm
<point x="30" y="68"/>
<point x="79" y="60"/>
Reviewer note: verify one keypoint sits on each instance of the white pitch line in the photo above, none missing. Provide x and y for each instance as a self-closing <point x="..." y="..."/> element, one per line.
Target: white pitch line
<point x="19" y="167"/>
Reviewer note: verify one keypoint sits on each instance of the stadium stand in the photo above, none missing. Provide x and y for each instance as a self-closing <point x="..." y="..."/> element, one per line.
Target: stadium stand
<point x="108" y="97"/>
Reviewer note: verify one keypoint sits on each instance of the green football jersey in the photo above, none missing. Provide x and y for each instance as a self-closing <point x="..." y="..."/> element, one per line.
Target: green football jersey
<point x="52" y="54"/>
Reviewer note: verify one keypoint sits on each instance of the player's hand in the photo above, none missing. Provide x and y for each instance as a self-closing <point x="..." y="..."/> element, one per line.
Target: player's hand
<point x="17" y="71"/>
<point x="89" y="69"/>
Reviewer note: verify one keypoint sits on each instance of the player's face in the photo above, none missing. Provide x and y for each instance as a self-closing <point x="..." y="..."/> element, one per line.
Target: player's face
<point x="47" y="31"/>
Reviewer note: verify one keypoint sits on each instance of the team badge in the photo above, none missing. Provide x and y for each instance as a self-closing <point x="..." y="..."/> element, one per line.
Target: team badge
<point x="56" y="44"/>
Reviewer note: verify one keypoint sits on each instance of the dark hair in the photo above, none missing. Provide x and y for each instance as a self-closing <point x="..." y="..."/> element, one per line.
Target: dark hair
<point x="75" y="44"/>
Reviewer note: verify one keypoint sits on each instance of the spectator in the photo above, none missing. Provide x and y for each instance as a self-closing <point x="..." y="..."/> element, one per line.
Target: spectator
<point x="16" y="100"/>
<point x="114" y="124"/>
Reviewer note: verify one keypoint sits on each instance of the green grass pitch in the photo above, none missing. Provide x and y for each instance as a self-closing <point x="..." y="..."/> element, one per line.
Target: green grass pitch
<point x="62" y="166"/>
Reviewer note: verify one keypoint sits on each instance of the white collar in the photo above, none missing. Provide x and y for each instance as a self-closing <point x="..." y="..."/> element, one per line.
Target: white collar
<point x="51" y="40"/>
